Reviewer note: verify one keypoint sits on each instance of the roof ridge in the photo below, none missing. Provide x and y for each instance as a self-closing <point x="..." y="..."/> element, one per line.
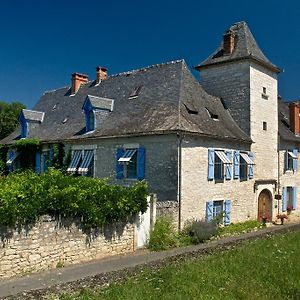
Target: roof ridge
<point x="148" y="67"/>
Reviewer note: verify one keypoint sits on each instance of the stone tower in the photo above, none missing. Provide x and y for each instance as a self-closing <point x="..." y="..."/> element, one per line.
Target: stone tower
<point x="240" y="74"/>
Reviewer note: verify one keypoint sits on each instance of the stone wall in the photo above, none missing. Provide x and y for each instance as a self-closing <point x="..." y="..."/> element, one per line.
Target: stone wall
<point x="50" y="244"/>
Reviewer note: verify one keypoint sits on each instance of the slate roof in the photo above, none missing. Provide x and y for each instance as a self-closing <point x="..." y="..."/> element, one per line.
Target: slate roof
<point x="168" y="102"/>
<point x="246" y="48"/>
<point x="284" y="129"/>
<point x="32" y="115"/>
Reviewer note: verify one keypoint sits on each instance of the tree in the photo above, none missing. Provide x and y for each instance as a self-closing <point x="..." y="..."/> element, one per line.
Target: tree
<point x="9" y="113"/>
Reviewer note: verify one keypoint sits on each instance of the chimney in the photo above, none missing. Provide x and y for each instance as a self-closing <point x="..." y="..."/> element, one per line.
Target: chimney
<point x="294" y="118"/>
<point x="228" y="42"/>
<point x="101" y="74"/>
<point x="77" y="81"/>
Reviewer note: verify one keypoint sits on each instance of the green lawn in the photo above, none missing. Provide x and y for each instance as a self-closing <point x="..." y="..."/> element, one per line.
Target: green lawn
<point x="261" y="269"/>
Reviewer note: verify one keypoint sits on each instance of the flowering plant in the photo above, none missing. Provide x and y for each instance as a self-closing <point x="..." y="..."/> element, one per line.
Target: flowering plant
<point x="281" y="216"/>
<point x="289" y="208"/>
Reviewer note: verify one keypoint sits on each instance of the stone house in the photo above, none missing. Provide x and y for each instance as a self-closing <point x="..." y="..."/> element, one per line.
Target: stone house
<point x="223" y="145"/>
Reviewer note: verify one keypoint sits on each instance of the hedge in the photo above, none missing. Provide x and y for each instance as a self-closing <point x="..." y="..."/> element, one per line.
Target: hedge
<point x="26" y="196"/>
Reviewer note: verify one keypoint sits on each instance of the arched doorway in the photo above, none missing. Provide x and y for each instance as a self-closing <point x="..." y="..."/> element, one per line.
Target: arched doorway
<point x="264" y="206"/>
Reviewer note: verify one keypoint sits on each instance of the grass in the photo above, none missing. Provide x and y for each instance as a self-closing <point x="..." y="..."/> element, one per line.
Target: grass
<point x="262" y="269"/>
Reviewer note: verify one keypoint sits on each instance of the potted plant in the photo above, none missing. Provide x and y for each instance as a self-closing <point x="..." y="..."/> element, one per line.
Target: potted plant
<point x="289" y="209"/>
<point x="282" y="217"/>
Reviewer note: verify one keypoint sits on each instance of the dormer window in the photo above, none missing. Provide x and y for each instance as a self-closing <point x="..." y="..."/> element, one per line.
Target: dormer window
<point x="27" y="117"/>
<point x="94" y="106"/>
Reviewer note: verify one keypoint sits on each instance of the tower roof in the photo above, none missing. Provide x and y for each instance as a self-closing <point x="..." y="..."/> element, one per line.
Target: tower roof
<point x="244" y="47"/>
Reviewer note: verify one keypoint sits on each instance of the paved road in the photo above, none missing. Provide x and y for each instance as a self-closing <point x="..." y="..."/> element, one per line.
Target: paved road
<point x="80" y="271"/>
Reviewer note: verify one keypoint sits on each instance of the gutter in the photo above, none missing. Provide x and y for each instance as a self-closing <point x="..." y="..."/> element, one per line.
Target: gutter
<point x="179" y="144"/>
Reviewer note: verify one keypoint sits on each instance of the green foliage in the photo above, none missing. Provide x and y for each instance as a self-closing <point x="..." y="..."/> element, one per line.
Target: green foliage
<point x="26" y="144"/>
<point x="9" y="113"/>
<point x="237" y="228"/>
<point x="200" y="231"/>
<point x="58" y="156"/>
<point x="25" y="196"/>
<point x="163" y="235"/>
<point x="260" y="269"/>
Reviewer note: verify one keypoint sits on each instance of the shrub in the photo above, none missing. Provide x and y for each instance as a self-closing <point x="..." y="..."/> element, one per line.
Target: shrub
<point x="200" y="231"/>
<point x="241" y="227"/>
<point x="25" y="196"/>
<point x="163" y="236"/>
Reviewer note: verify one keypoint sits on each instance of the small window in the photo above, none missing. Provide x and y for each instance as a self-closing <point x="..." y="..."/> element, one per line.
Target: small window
<point x="215" y="117"/>
<point x="135" y="92"/>
<point x="265" y="126"/>
<point x="129" y="159"/>
<point x="264" y="94"/>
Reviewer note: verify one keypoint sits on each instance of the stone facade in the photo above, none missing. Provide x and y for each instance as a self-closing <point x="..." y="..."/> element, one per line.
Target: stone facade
<point x="50" y="244"/>
<point x="161" y="156"/>
<point x="196" y="189"/>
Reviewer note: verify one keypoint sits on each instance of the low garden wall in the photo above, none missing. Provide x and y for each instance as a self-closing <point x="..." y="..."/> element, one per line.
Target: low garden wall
<point x="51" y="244"/>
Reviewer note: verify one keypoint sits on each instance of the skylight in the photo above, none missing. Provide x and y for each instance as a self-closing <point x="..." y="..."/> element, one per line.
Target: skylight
<point x="135" y="92"/>
<point x="190" y="111"/>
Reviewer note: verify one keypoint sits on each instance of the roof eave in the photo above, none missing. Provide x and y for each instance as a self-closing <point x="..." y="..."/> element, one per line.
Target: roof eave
<point x="249" y="57"/>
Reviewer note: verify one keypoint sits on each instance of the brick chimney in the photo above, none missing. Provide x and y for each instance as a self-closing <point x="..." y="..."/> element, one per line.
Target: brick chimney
<point x="101" y="74"/>
<point x="294" y="118"/>
<point x="228" y="42"/>
<point x="77" y="81"/>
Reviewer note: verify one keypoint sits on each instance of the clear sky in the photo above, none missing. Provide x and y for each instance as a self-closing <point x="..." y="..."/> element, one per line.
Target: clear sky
<point x="44" y="41"/>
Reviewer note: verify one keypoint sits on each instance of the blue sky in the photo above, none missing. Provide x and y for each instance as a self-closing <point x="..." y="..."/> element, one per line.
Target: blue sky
<point x="43" y="42"/>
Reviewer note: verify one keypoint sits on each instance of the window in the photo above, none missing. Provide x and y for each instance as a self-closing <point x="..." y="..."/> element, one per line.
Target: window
<point x="82" y="163"/>
<point x="218" y="210"/>
<point x="264" y="90"/>
<point x="291" y="160"/>
<point x="219" y="164"/>
<point x="243" y="168"/>
<point x="264" y="125"/>
<point x="130" y="163"/>
<point x="91" y="120"/>
<point x="289" y="198"/>
<point x="46" y="160"/>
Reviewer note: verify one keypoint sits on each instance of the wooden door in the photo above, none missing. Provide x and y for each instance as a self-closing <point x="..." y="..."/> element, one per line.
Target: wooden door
<point x="265" y="206"/>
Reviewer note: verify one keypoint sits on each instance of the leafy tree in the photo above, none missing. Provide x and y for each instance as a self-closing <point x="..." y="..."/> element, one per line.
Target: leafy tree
<point x="9" y="113"/>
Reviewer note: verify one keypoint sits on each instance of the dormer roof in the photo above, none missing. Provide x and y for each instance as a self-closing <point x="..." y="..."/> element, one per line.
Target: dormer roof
<point x="32" y="115"/>
<point x="99" y="103"/>
<point x="245" y="47"/>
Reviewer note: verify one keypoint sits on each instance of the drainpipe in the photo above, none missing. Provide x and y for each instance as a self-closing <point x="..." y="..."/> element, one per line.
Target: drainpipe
<point x="179" y="144"/>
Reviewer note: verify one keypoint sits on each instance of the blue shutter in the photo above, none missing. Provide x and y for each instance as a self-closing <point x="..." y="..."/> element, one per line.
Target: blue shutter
<point x="141" y="163"/>
<point x="250" y="167"/>
<point x="38" y="162"/>
<point x="119" y="167"/>
<point x="295" y="160"/>
<point x="209" y="211"/>
<point x="286" y="160"/>
<point x="236" y="164"/>
<point x="211" y="164"/>
<point x="284" y="199"/>
<point x="227" y="207"/>
<point x="229" y="166"/>
<point x="294" y="191"/>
